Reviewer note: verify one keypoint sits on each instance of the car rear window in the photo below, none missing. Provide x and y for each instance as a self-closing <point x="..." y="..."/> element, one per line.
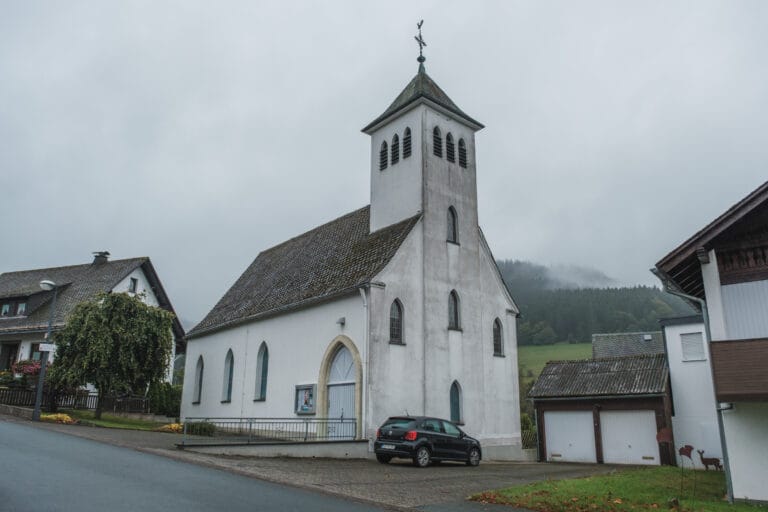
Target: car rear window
<point x="398" y="423"/>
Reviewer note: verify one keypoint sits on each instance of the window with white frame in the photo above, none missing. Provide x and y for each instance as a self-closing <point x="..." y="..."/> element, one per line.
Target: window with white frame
<point x="262" y="368"/>
<point x="229" y="371"/>
<point x="198" y="391"/>
<point x="693" y="346"/>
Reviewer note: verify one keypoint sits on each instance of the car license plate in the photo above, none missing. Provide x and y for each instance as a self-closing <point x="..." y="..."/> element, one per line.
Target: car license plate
<point x="387" y="447"/>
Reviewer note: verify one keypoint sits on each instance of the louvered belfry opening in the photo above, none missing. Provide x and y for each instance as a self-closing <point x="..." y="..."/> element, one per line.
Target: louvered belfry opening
<point x="462" y="154"/>
<point x="383" y="156"/>
<point x="395" y="150"/>
<point x="407" y="143"/>
<point x="437" y="142"/>
<point x="450" y="149"/>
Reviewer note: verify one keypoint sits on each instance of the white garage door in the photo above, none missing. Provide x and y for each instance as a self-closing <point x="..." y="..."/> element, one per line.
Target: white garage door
<point x="629" y="437"/>
<point x="570" y="436"/>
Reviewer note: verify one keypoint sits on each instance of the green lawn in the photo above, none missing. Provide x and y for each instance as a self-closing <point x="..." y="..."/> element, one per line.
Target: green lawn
<point x="533" y="357"/>
<point x="110" y="421"/>
<point x="625" y="490"/>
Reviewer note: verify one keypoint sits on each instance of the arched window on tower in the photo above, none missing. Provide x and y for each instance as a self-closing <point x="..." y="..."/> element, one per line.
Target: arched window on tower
<point x="498" y="341"/>
<point x="198" y="389"/>
<point x="407" y="143"/>
<point x="395" y="151"/>
<point x="396" y="323"/>
<point x="462" y="153"/>
<point x="454" y="315"/>
<point x="452" y="221"/>
<point x="450" y="149"/>
<point x="456" y="403"/>
<point x="437" y="142"/>
<point x="262" y="368"/>
<point x="383" y="156"/>
<point x="229" y="371"/>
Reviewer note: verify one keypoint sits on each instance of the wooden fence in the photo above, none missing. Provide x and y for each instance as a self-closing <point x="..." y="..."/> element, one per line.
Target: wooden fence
<point x="22" y="397"/>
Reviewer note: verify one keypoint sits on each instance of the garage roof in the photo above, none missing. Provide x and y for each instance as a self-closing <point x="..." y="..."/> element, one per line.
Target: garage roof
<point x="616" y="376"/>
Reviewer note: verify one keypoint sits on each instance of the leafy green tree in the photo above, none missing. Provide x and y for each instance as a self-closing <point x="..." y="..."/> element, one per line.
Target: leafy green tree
<point x="115" y="342"/>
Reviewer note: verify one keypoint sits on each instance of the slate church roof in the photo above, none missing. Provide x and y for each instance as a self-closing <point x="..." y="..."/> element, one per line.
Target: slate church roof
<point x="326" y="262"/>
<point x="77" y="283"/>
<point x="610" y="377"/>
<point x="421" y="86"/>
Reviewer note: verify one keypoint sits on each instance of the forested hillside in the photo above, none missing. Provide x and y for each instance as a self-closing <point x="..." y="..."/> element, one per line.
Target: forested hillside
<point x="571" y="303"/>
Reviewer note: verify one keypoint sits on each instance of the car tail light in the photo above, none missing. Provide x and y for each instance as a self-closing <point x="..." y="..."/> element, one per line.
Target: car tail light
<point x="410" y="435"/>
<point x="378" y="433"/>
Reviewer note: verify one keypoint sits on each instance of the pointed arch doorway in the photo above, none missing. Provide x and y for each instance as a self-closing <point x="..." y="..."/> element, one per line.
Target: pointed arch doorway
<point x="339" y="389"/>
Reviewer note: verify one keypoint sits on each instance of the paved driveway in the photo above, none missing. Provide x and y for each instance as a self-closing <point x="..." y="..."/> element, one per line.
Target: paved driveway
<point x="398" y="484"/>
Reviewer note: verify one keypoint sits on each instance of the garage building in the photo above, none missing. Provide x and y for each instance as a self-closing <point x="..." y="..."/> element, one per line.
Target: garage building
<point x="612" y="410"/>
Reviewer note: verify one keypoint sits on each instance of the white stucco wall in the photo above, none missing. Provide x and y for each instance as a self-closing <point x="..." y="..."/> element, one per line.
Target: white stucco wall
<point x="694" y="421"/>
<point x="396" y="191"/>
<point x="296" y="341"/>
<point x="745" y="427"/>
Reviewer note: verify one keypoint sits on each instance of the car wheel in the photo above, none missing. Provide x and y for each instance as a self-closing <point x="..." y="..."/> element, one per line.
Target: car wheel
<point x="384" y="459"/>
<point x="474" y="457"/>
<point x="422" y="457"/>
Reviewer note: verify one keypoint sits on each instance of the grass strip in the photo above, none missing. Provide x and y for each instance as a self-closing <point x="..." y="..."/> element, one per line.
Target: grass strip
<point x="638" y="489"/>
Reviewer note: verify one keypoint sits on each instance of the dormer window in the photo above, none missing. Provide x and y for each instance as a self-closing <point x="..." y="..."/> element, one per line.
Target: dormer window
<point x="14" y="308"/>
<point x="395" y="151"/>
<point x="407" y="143"/>
<point x="133" y="285"/>
<point x="383" y="156"/>
<point x="450" y="149"/>
<point x="437" y="142"/>
<point x="462" y="153"/>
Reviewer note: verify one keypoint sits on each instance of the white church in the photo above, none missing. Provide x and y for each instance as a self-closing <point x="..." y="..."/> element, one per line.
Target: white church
<point x="395" y="308"/>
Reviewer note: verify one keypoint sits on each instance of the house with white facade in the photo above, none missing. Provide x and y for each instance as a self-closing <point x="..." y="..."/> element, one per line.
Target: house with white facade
<point x="25" y="307"/>
<point x="694" y="417"/>
<point x="723" y="271"/>
<point x="397" y="307"/>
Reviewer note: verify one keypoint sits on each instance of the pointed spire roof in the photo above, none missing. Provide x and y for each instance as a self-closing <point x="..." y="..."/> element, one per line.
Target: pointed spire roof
<point x="421" y="88"/>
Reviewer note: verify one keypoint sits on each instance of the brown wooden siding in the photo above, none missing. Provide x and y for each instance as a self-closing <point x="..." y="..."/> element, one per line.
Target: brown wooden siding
<point x="740" y="369"/>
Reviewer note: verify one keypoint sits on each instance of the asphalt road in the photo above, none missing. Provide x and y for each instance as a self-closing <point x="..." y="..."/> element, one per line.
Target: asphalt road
<point x="46" y="471"/>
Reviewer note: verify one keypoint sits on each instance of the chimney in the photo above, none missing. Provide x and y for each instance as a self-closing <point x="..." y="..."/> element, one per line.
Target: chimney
<point x="100" y="257"/>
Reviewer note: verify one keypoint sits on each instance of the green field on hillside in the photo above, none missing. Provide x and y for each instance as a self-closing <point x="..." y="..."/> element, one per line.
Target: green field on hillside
<point x="531" y="358"/>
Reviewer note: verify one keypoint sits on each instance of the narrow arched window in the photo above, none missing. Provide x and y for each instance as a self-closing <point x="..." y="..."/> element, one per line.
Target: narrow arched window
<point x="437" y="142"/>
<point x="450" y="149"/>
<point x="229" y="371"/>
<point x="396" y="322"/>
<point x="454" y="316"/>
<point x="456" y="403"/>
<point x="198" y="389"/>
<point x="383" y="156"/>
<point x="462" y="153"/>
<point x="452" y="234"/>
<point x="407" y="143"/>
<point x="395" y="157"/>
<point x="262" y="368"/>
<point x="498" y="342"/>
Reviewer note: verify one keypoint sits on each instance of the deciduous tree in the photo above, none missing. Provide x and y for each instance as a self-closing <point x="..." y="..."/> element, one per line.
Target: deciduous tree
<point x="115" y="342"/>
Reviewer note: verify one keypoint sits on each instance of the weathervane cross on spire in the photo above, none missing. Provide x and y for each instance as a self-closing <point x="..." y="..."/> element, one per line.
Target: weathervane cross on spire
<point x="421" y="42"/>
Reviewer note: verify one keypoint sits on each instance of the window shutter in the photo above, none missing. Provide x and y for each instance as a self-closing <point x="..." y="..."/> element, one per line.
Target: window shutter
<point x="450" y="150"/>
<point x="462" y="154"/>
<point x="395" y="150"/>
<point x="693" y="347"/>
<point x="383" y="156"/>
<point x="407" y="143"/>
<point x="437" y="142"/>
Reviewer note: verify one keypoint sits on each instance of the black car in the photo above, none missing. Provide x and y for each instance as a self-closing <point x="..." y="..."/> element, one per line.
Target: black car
<point x="425" y="440"/>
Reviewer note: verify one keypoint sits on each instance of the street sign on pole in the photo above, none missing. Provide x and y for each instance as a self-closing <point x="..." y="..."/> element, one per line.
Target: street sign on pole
<point x="46" y="347"/>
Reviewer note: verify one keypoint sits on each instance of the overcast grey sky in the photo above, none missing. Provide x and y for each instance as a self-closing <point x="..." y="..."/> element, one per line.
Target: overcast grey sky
<point x="200" y="133"/>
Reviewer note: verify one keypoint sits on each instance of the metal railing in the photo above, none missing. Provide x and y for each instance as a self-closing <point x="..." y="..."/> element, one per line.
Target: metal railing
<point x="267" y="430"/>
<point x="529" y="439"/>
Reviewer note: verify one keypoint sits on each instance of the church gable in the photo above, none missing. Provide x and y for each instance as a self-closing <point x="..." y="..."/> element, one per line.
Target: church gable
<point x="325" y="262"/>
